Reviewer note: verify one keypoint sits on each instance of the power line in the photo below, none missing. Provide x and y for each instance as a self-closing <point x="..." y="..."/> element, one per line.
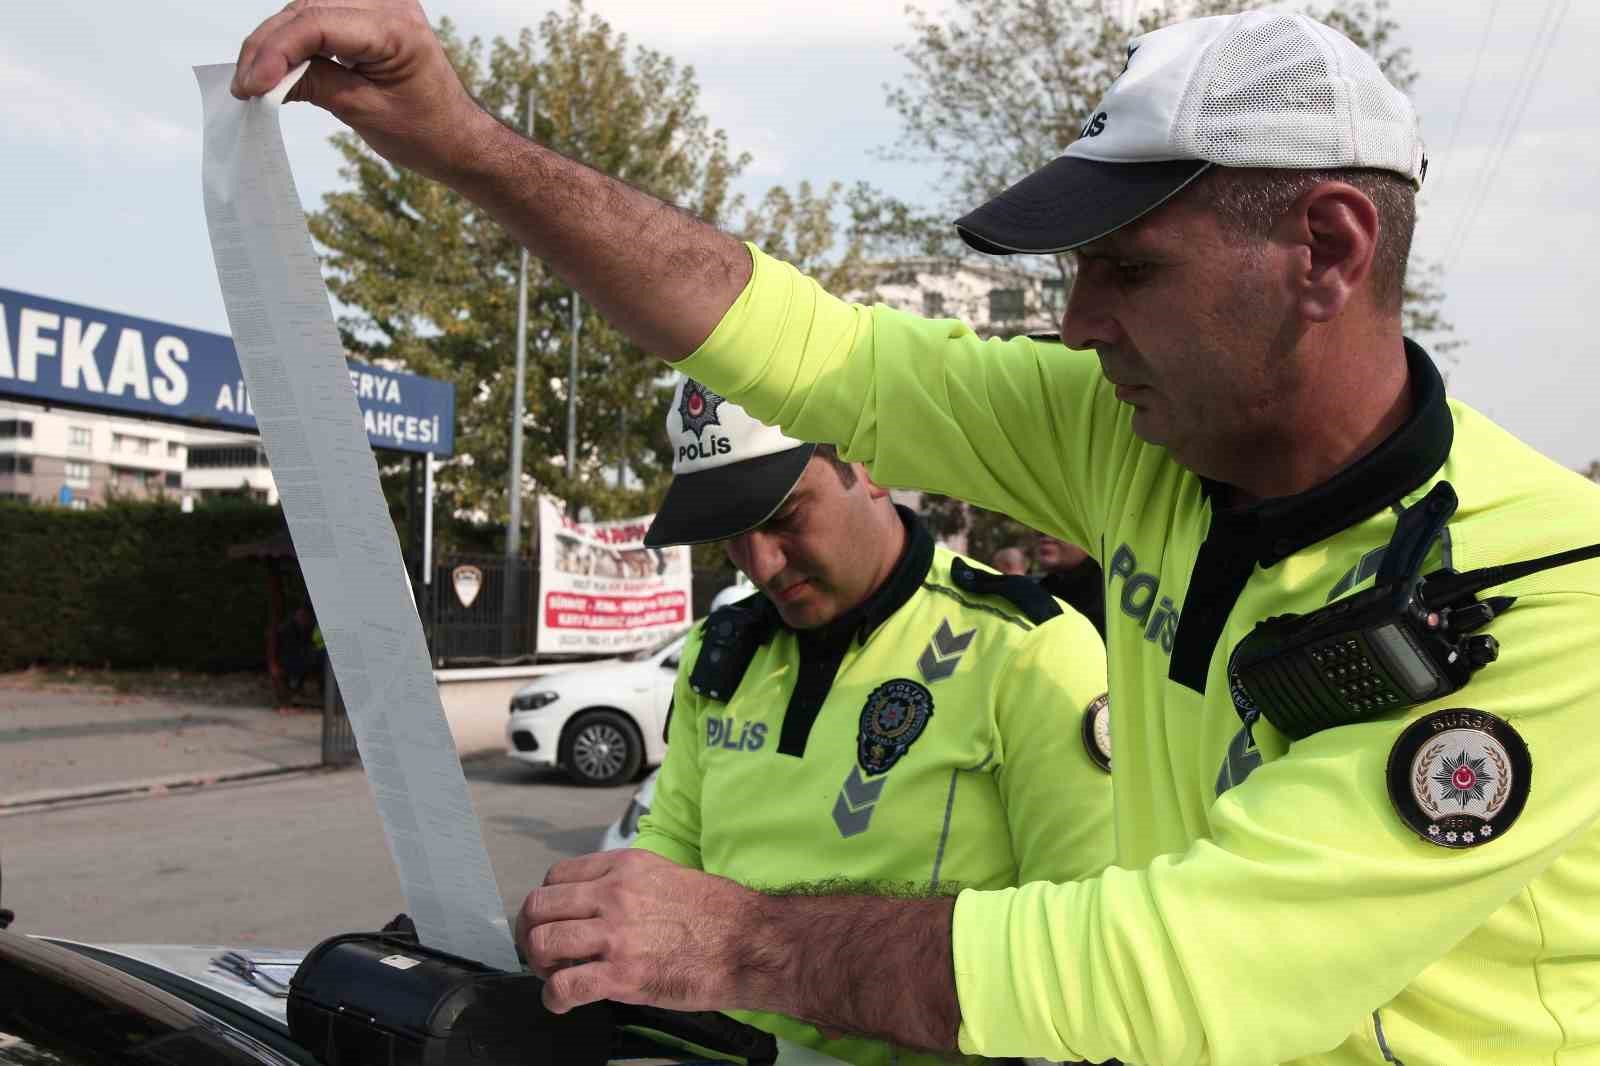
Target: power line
<point x="1472" y="81"/>
<point x="1516" y="107"/>
<point x="1502" y="132"/>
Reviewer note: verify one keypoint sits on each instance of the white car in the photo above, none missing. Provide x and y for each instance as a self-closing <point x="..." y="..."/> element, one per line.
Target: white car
<point x="602" y="722"/>
<point x="620" y="833"/>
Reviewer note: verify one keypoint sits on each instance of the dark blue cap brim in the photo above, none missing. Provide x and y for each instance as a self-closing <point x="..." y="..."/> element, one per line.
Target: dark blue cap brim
<point x="1070" y="201"/>
<point x="727" y="500"/>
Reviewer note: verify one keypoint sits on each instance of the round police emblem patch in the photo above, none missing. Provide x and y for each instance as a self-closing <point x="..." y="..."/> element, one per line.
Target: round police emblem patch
<point x="1459" y="778"/>
<point x="1097" y="731"/>
<point x="895" y="715"/>
<point x="1243" y="705"/>
<point x="698" y="407"/>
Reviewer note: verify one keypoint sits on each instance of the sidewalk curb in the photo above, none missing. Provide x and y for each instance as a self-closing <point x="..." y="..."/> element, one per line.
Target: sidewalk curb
<point x="46" y="800"/>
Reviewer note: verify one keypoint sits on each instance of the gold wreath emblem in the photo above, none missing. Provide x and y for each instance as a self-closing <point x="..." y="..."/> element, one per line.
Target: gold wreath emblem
<point x="1493" y="751"/>
<point x="1419" y="781"/>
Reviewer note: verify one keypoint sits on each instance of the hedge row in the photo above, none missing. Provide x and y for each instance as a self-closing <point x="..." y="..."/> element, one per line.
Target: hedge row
<point x="135" y="585"/>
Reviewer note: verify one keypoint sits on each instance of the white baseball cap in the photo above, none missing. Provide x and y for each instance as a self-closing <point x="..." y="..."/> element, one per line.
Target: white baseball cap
<point x="1261" y="89"/>
<point x="730" y="473"/>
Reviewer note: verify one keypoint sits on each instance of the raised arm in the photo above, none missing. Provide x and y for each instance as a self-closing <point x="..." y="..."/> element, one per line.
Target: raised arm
<point x="659" y="274"/>
<point x="1313" y="913"/>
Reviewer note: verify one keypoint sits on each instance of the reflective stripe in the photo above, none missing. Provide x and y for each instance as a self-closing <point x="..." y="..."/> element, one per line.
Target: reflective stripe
<point x="944" y="833"/>
<point x="1383" y="1044"/>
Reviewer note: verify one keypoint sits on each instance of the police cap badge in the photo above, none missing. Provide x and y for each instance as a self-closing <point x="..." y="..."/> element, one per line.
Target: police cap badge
<point x="698" y="408"/>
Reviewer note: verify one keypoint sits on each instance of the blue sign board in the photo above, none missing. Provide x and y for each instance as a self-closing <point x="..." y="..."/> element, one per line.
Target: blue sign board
<point x="61" y="353"/>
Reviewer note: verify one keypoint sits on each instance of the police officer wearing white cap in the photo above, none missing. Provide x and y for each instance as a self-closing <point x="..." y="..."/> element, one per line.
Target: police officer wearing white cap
<point x="1380" y="849"/>
<point x="882" y="713"/>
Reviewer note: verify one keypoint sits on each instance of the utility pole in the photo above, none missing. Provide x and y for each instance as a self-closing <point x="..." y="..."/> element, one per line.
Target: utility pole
<point x="622" y="443"/>
<point x="572" y="389"/>
<point x="514" y="520"/>
<point x="577" y="322"/>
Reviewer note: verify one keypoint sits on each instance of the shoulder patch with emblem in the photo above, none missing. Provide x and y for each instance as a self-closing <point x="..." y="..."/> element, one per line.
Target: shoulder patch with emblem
<point x="1097" y="731"/>
<point x="1459" y="778"/>
<point x="1021" y="591"/>
<point x="894" y="717"/>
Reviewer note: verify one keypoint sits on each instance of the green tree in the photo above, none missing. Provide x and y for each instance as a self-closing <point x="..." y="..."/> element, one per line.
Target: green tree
<point x="429" y="282"/>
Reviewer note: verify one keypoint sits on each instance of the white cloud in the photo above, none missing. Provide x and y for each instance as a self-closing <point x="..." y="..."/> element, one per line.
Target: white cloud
<point x="42" y="107"/>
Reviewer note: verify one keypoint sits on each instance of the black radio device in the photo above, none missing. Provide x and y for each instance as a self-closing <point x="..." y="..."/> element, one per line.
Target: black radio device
<point x="383" y="999"/>
<point x="376" y="999"/>
<point x="732" y="636"/>
<point x="1407" y="640"/>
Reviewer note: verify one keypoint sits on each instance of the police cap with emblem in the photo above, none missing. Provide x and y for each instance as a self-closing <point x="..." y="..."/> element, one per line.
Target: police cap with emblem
<point x="1261" y="89"/>
<point x="730" y="473"/>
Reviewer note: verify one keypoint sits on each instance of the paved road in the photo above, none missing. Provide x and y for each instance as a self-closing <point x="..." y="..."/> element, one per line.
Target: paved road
<point x="281" y="862"/>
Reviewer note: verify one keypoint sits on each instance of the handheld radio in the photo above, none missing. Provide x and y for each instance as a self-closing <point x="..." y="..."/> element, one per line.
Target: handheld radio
<point x="1407" y="640"/>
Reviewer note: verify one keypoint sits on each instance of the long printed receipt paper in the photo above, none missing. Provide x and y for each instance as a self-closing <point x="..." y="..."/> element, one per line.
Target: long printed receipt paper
<point x="327" y="480"/>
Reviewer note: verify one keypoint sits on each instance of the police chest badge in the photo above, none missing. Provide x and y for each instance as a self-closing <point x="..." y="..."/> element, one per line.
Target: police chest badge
<point x="1459" y="778"/>
<point x="895" y="715"/>
<point x="1097" y="731"/>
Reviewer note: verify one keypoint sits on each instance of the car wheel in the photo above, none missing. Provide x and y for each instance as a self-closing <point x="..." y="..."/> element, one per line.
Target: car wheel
<point x="602" y="748"/>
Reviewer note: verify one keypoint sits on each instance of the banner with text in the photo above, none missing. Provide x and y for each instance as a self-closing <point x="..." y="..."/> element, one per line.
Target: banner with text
<point x="601" y="589"/>
<point x="63" y="353"/>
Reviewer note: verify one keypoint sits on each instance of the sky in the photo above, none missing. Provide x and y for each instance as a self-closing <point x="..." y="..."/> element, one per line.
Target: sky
<point x="100" y="156"/>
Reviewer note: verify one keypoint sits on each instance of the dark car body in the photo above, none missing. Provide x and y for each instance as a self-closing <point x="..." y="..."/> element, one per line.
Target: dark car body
<point x="66" y="1004"/>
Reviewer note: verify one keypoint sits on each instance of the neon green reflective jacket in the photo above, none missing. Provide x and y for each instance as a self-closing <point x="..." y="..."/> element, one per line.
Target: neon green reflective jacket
<point x="947" y="752"/>
<point x="1268" y="904"/>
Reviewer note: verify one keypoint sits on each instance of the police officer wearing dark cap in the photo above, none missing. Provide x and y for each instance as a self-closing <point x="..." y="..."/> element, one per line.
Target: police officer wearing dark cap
<point x="881" y="712"/>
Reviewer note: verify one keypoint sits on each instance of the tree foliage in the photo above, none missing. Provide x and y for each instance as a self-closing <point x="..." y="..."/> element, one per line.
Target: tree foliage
<point x="428" y="281"/>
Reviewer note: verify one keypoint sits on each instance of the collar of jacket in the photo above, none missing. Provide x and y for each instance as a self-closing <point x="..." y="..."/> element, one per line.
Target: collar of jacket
<point x="1401" y="464"/>
<point x="1265" y="533"/>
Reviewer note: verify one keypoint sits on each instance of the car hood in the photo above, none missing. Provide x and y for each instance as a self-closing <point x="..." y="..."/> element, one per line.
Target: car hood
<point x="256" y="977"/>
<point x="604" y="672"/>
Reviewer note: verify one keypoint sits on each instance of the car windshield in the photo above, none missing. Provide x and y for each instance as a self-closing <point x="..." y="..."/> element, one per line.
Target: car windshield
<point x="644" y="653"/>
<point x="62" y="1009"/>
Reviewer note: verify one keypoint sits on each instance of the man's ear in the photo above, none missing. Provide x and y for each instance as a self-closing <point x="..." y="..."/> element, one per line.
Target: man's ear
<point x="1336" y="227"/>
<point x="874" y="490"/>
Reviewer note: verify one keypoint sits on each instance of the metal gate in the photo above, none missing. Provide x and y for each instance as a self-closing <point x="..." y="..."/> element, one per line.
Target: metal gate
<point x="481" y="611"/>
<point x="338" y="740"/>
<point x="493" y="625"/>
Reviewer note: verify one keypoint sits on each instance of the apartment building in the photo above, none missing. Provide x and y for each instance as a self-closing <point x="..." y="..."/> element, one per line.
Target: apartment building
<point x="80" y="459"/>
<point x="997" y="299"/>
<point x="51" y="455"/>
<point x="228" y="464"/>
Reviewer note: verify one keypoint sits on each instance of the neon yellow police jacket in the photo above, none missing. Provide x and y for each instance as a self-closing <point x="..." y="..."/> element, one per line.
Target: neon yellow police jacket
<point x="940" y="737"/>
<point x="1271" y="902"/>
